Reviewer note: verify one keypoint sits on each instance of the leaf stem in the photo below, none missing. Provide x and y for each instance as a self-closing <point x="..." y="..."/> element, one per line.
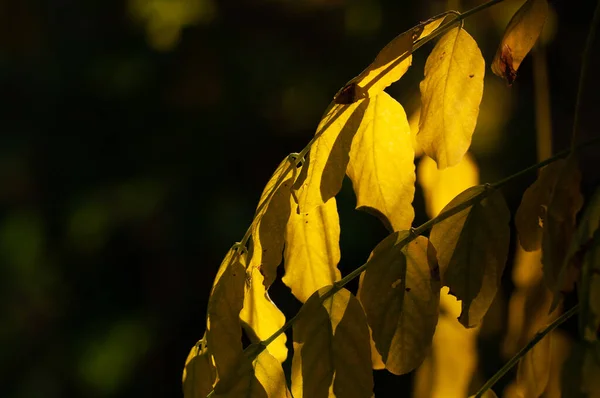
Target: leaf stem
<point x="536" y="339"/>
<point x="585" y="62"/>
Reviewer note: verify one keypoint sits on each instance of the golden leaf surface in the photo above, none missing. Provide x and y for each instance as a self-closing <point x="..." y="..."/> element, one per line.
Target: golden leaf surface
<point x="559" y="228"/>
<point x="472" y="247"/>
<point x="533" y="370"/>
<point x="261" y="316"/>
<point x="224" y="331"/>
<point x="199" y="373"/>
<point x="531" y="213"/>
<point x="381" y="164"/>
<point x="263" y="378"/>
<point x="487" y="394"/>
<point x="312" y="250"/>
<point x="322" y="174"/>
<point x="400" y="292"/>
<point x="519" y="37"/>
<point x="332" y="355"/>
<point x="441" y="186"/>
<point x="450" y="96"/>
<point x="269" y="222"/>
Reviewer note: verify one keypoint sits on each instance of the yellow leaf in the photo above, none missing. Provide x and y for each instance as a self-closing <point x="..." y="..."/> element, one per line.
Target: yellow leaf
<point x="381" y="163"/>
<point x="559" y="228"/>
<point x="472" y="247"/>
<point x="269" y="222"/>
<point x="581" y="375"/>
<point x="263" y="378"/>
<point x="532" y="210"/>
<point x="441" y="186"/>
<point x="332" y="355"/>
<point x="322" y="174"/>
<point x="487" y="394"/>
<point x="589" y="294"/>
<point x="561" y="348"/>
<point x="262" y="316"/>
<point x="312" y="250"/>
<point x="519" y="37"/>
<point x="400" y="292"/>
<point x="533" y="371"/>
<point x="199" y="373"/>
<point x="224" y="331"/>
<point x="450" y="96"/>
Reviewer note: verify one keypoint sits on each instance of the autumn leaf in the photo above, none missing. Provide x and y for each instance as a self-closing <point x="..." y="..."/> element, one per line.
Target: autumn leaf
<point x="472" y="247"/>
<point x="261" y="316"/>
<point x="581" y="372"/>
<point x="312" y="250"/>
<point x="533" y="370"/>
<point x="589" y="296"/>
<point x="531" y="213"/>
<point x="400" y="292"/>
<point x="559" y="227"/>
<point x="441" y="186"/>
<point x="224" y="331"/>
<point x="323" y="172"/>
<point x="331" y="348"/>
<point x="450" y="96"/>
<point x="199" y="373"/>
<point x="381" y="163"/>
<point x="519" y="37"/>
<point x="269" y="222"/>
<point x="262" y="378"/>
<point x="487" y="394"/>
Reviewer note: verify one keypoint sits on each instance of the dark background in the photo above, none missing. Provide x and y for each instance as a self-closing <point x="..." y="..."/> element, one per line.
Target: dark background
<point x="136" y="137"/>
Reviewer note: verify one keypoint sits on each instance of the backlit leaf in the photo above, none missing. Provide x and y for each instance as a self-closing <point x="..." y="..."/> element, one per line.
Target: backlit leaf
<point x="472" y="247"/>
<point x="487" y="394"/>
<point x="589" y="297"/>
<point x="332" y="355"/>
<point x="559" y="227"/>
<point x="581" y="372"/>
<point x="381" y="163"/>
<point x="531" y="213"/>
<point x="269" y="222"/>
<point x="263" y="378"/>
<point x="224" y="331"/>
<point x="450" y="96"/>
<point x="441" y="186"/>
<point x="533" y="371"/>
<point x="312" y="250"/>
<point x="519" y="37"/>
<point x="261" y="315"/>
<point x="199" y="373"/>
<point x="322" y="174"/>
<point x="400" y="292"/>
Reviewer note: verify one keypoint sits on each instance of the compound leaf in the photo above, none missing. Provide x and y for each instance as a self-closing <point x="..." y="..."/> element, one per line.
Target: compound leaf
<point x="381" y="163"/>
<point x="400" y="292"/>
<point x="450" y="96"/>
<point x="472" y="247"/>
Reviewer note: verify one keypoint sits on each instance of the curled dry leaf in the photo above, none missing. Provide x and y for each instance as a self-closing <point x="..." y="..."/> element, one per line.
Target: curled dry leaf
<point x="331" y="348"/>
<point x="519" y="37"/>
<point x="381" y="163"/>
<point x="472" y="247"/>
<point x="400" y="292"/>
<point x="450" y="96"/>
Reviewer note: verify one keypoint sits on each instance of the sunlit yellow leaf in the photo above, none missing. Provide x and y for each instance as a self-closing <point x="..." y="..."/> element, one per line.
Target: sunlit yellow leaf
<point x="199" y="373"/>
<point x="261" y="315"/>
<point x="400" y="292"/>
<point x="322" y="174"/>
<point x="448" y="370"/>
<point x="312" y="250"/>
<point x="269" y="222"/>
<point x="559" y="228"/>
<point x="472" y="247"/>
<point x="332" y="355"/>
<point x="519" y="37"/>
<point x="224" y="331"/>
<point x="487" y="394"/>
<point x="533" y="371"/>
<point x="450" y="96"/>
<point x="263" y="378"/>
<point x="561" y="348"/>
<point x="531" y="213"/>
<point x="441" y="186"/>
<point x="381" y="163"/>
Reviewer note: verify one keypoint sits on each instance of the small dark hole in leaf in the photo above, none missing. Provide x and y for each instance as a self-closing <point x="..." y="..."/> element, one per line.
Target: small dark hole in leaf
<point x="471" y="75"/>
<point x="407" y="289"/>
